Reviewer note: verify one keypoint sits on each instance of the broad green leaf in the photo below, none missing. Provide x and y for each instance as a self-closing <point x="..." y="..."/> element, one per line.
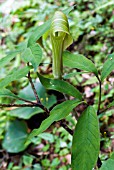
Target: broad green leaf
<point x="109" y="164"/>
<point x="25" y="113"/>
<point x="33" y="54"/>
<point x="86" y="141"/>
<point x="79" y="61"/>
<point x="108" y="67"/>
<point x="38" y="32"/>
<point x="14" y="76"/>
<point x="60" y="40"/>
<point x="15" y="137"/>
<point x="8" y="58"/>
<point x="57" y="113"/>
<point x="61" y="86"/>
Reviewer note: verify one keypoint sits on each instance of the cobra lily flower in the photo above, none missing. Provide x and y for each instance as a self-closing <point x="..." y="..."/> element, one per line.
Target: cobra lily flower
<point x="60" y="40"/>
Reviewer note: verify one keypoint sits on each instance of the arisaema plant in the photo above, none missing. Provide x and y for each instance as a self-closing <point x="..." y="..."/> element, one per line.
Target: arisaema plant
<point x="86" y="136"/>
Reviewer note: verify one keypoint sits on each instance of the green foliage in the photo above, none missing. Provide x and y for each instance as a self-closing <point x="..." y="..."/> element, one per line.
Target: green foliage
<point x="27" y="160"/>
<point x="38" y="32"/>
<point x="8" y="58"/>
<point x="33" y="54"/>
<point x="15" y="137"/>
<point x="108" y="67"/>
<point x="7" y="93"/>
<point x="3" y="121"/>
<point x="109" y="164"/>
<point x="47" y="136"/>
<point x="111" y="104"/>
<point x="46" y="99"/>
<point x="25" y="113"/>
<point x="25" y="40"/>
<point x="78" y="61"/>
<point x="60" y="86"/>
<point x="15" y="75"/>
<point x="86" y="141"/>
<point x="59" y="112"/>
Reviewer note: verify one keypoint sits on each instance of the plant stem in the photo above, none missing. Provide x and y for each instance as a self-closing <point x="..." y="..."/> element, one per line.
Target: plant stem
<point x="99" y="101"/>
<point x="35" y="93"/>
<point x="25" y="105"/>
<point x="104" y="110"/>
<point x="33" y="87"/>
<point x="63" y="124"/>
<point x="18" y="105"/>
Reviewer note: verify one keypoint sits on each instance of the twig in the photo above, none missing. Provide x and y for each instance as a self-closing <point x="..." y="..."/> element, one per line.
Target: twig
<point x="104" y="110"/>
<point x="63" y="124"/>
<point x="25" y="105"/>
<point x="18" y="105"/>
<point x="35" y="93"/>
<point x="99" y="101"/>
<point x="33" y="87"/>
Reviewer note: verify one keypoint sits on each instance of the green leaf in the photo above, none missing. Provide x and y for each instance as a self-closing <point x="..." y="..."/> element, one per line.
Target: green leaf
<point x="47" y="136"/>
<point x="86" y="141"/>
<point x="37" y="167"/>
<point x="12" y="54"/>
<point x="57" y="113"/>
<point x="38" y="32"/>
<point x="25" y="113"/>
<point x="109" y="164"/>
<point x="61" y="86"/>
<point x="108" y="67"/>
<point x="111" y="104"/>
<point x="33" y="54"/>
<point x="8" y="58"/>
<point x="78" y="61"/>
<point x="7" y="93"/>
<point x="27" y="160"/>
<point x="21" y="46"/>
<point x="14" y="76"/>
<point x="55" y="163"/>
<point x="15" y="137"/>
